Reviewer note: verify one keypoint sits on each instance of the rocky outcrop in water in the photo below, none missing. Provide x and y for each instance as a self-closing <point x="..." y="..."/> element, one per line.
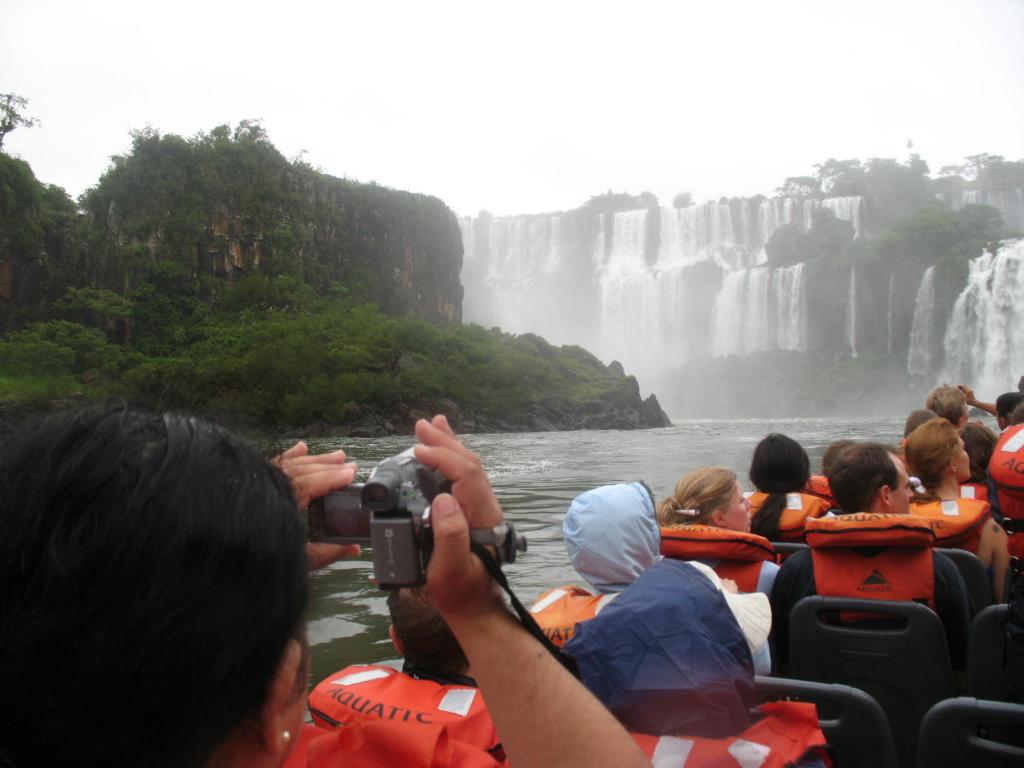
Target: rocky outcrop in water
<point x="620" y="406"/>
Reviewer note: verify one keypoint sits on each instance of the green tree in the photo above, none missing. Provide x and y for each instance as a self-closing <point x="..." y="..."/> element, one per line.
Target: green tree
<point x="800" y="186"/>
<point x="841" y="177"/>
<point x="11" y="116"/>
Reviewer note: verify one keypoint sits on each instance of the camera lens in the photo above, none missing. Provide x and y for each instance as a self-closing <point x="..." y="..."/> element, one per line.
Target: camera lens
<point x="378" y="496"/>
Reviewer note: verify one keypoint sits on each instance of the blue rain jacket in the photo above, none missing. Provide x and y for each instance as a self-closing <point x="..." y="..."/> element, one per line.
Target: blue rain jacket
<point x="667" y="656"/>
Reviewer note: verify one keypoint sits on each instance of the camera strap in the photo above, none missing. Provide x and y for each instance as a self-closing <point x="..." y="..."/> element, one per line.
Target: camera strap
<point x="525" y="617"/>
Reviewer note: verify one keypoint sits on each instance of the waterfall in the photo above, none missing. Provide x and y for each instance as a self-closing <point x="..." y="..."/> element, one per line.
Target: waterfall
<point x="594" y="281"/>
<point x="851" y="313"/>
<point x="888" y="314"/>
<point x="760" y="309"/>
<point x="846" y="208"/>
<point x="984" y="341"/>
<point x="919" y="357"/>
<point x="791" y="308"/>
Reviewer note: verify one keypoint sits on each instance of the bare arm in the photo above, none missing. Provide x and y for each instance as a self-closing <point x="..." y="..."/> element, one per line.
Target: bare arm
<point x="544" y="715"/>
<point x="974" y="402"/>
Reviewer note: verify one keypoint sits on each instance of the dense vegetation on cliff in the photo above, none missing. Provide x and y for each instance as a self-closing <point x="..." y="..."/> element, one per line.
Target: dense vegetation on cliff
<point x="212" y="273"/>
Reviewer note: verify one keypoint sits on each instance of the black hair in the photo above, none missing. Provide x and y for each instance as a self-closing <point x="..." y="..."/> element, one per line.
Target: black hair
<point x="427" y="643"/>
<point x="858" y="473"/>
<point x="1007" y="401"/>
<point x="152" y="571"/>
<point x="779" y="466"/>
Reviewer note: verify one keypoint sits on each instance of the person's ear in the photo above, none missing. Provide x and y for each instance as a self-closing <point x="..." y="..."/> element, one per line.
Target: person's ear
<point x="396" y="640"/>
<point x="281" y="714"/>
<point x="885" y="496"/>
<point x="718" y="518"/>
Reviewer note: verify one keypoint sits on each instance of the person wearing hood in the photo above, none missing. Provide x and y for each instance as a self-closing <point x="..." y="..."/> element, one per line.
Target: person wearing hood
<point x="672" y="657"/>
<point x="611" y="535"/>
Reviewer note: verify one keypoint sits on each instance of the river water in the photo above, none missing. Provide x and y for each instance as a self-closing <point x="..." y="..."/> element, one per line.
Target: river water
<point x="535" y="476"/>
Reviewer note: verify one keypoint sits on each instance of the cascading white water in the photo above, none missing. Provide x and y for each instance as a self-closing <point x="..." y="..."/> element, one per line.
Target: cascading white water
<point x="851" y="313"/>
<point x="627" y="285"/>
<point x="919" y="357"/>
<point x="760" y="309"/>
<point x="791" y="308"/>
<point x="522" y="273"/>
<point x="888" y="314"/>
<point x="984" y="341"/>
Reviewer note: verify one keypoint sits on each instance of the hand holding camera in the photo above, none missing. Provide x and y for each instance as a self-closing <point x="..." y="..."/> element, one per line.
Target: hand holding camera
<point x="391" y="512"/>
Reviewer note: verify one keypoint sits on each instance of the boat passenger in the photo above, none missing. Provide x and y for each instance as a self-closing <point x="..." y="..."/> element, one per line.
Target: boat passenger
<point x="915" y="420"/>
<point x="1006" y="469"/>
<point x="936" y="456"/>
<point x="433" y="686"/>
<point x="979" y="442"/>
<point x="707" y="519"/>
<point x="153" y="592"/>
<point x="780" y="469"/>
<point x="1006" y="403"/>
<point x="611" y="535"/>
<point x="871" y="486"/>
<point x="818" y="484"/>
<point x="949" y="403"/>
<point x="671" y="657"/>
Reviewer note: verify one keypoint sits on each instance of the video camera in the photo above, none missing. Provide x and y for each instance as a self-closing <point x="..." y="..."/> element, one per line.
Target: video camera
<point x="390" y="513"/>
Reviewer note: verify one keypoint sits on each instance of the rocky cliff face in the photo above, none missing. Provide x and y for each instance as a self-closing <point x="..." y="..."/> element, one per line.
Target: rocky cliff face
<point x="228" y="206"/>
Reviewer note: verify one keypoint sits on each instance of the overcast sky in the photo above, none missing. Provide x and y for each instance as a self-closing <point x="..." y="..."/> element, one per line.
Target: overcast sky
<point x="521" y="107"/>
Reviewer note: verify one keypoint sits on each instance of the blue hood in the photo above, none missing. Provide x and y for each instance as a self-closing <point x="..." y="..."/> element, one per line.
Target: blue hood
<point x="611" y="535"/>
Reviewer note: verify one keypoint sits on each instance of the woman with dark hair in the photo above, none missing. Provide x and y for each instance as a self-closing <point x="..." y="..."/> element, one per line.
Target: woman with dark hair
<point x="780" y="469"/>
<point x="153" y="595"/>
<point x="979" y="442"/>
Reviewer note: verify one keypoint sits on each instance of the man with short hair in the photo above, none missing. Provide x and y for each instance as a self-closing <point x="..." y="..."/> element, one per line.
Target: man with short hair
<point x="949" y="403"/>
<point x="869" y="478"/>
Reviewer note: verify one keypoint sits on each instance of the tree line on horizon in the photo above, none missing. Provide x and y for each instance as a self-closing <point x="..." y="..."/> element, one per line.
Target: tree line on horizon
<point x="299" y="306"/>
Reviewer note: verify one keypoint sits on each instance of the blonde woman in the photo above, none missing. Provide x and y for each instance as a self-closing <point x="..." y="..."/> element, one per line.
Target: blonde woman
<point x="707" y="519"/>
<point x="936" y="456"/>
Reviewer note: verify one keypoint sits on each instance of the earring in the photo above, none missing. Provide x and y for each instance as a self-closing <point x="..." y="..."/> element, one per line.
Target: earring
<point x="286" y="736"/>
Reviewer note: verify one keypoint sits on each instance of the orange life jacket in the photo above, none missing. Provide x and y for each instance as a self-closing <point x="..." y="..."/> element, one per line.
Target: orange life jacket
<point x="377" y="692"/>
<point x="903" y="570"/>
<point x="380" y="744"/>
<point x="799" y="508"/>
<point x="788" y="731"/>
<point x="1006" y="468"/>
<point x="818" y="486"/>
<point x="978" y="491"/>
<point x="739" y="555"/>
<point x="957" y="523"/>
<point x="559" y="610"/>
